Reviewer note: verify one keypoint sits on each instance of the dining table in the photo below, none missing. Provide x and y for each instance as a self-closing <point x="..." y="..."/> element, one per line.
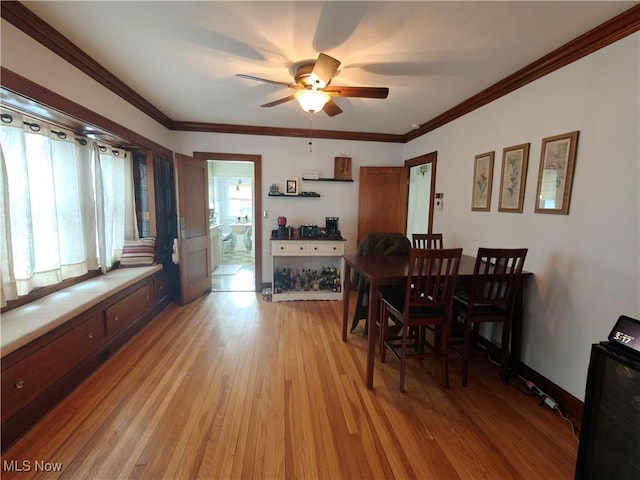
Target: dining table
<point x="379" y="270"/>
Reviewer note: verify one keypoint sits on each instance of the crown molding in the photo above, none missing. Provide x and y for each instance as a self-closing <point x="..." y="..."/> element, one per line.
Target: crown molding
<point x="285" y="132"/>
<point x="29" y="23"/>
<point x="27" y="97"/>
<point x="609" y="32"/>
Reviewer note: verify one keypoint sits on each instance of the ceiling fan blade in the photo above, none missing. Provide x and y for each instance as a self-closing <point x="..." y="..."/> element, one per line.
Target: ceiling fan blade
<point x="265" y="80"/>
<point x="278" y="102"/>
<point x="361" y="92"/>
<point x="331" y="108"/>
<point x="323" y="70"/>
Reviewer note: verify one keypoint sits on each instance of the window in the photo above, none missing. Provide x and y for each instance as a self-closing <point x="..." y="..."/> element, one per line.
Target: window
<point x="240" y="198"/>
<point x="66" y="205"/>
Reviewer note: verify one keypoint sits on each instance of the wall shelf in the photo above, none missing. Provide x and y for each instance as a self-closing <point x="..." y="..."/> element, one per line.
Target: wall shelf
<point x="300" y="195"/>
<point x="327" y="180"/>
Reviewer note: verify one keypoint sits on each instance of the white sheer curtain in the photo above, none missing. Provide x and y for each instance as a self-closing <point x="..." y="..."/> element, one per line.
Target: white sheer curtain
<point x="54" y="191"/>
<point x="114" y="202"/>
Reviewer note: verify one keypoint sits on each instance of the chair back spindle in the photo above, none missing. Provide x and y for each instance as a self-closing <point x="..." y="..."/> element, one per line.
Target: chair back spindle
<point x="426" y="240"/>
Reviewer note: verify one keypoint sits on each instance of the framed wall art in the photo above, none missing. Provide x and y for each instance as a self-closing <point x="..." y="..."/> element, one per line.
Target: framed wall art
<point x="513" y="178"/>
<point x="555" y="177"/>
<point x="291" y="186"/>
<point x="482" y="179"/>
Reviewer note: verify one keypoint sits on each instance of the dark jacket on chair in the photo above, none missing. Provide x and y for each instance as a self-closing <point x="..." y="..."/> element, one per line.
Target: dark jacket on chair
<point x="375" y="243"/>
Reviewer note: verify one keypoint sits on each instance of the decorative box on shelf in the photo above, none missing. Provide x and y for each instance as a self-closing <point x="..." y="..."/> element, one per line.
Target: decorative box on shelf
<point x="342" y="168"/>
<point x="310" y="175"/>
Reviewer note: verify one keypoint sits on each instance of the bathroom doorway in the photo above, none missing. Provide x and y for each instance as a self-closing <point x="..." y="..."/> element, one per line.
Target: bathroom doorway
<point x="235" y="235"/>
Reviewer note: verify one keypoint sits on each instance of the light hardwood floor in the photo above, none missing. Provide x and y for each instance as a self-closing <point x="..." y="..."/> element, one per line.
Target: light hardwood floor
<point x="233" y="386"/>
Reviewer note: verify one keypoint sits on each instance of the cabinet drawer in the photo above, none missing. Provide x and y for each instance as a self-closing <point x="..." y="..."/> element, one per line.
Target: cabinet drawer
<point x="289" y="248"/>
<point x="25" y="380"/>
<point x="326" y="248"/>
<point x="161" y="286"/>
<point x="122" y="313"/>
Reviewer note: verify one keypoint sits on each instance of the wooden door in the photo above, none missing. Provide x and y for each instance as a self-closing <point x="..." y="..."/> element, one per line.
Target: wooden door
<point x="382" y="200"/>
<point x="193" y="245"/>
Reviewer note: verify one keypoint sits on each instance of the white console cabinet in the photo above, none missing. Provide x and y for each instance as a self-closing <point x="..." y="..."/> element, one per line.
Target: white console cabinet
<point x="307" y="269"/>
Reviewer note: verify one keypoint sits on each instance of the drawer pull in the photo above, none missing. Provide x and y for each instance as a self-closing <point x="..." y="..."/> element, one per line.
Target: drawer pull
<point x="161" y="287"/>
<point x="19" y="384"/>
<point x="116" y="317"/>
<point x="315" y="248"/>
<point x="301" y="248"/>
<point x="281" y="248"/>
<point x="147" y="296"/>
<point x="90" y="335"/>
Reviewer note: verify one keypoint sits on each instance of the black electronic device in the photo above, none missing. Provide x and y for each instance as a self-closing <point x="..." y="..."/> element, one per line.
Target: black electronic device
<point x="610" y="431"/>
<point x="331" y="225"/>
<point x="626" y="333"/>
<point x="283" y="232"/>
<point x="309" y="231"/>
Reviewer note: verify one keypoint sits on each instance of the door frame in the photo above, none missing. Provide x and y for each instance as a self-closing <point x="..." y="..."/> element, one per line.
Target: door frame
<point x="257" y="201"/>
<point x="431" y="158"/>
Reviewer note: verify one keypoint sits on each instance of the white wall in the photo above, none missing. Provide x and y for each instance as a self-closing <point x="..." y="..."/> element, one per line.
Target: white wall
<point x="290" y="157"/>
<point x="25" y="56"/>
<point x="586" y="265"/>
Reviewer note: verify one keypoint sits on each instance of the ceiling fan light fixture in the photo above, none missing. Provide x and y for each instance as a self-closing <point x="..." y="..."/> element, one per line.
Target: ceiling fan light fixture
<point x="311" y="101"/>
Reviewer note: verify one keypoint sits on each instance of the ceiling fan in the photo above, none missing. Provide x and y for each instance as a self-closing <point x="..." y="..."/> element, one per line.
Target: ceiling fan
<point x="312" y="79"/>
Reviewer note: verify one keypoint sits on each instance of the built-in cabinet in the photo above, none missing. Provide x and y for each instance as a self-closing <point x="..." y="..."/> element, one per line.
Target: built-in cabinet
<point x="216" y="236"/>
<point x="38" y="375"/>
<point x="307" y="269"/>
<point x="41" y="373"/>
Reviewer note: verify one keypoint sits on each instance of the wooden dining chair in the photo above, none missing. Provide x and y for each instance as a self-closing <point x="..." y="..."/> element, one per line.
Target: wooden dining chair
<point x="491" y="297"/>
<point x="426" y="240"/>
<point x="425" y="301"/>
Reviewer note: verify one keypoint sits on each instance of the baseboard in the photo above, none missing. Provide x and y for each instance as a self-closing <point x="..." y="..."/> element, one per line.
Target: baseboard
<point x="569" y="405"/>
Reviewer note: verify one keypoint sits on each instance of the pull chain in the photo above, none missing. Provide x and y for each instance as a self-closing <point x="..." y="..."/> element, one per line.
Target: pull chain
<point x="310" y="132"/>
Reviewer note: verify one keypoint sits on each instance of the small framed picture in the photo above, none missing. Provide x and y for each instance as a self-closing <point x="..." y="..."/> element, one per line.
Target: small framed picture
<point x="482" y="180"/>
<point x="291" y="186"/>
<point x="513" y="178"/>
<point x="555" y="177"/>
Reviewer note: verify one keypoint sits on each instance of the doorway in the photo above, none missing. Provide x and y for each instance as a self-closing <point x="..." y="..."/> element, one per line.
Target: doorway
<point x="422" y="181"/>
<point x="235" y="227"/>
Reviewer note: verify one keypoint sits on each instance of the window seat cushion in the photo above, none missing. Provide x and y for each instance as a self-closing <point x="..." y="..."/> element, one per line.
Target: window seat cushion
<point x="24" y="324"/>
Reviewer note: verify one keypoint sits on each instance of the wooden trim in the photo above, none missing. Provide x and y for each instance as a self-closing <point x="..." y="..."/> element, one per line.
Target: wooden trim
<point x="257" y="181"/>
<point x="285" y="132"/>
<point x="570" y="405"/>
<point x="431" y="158"/>
<point x="609" y="32"/>
<point x="422" y="159"/>
<point x="28" y="22"/>
<point x="30" y="97"/>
